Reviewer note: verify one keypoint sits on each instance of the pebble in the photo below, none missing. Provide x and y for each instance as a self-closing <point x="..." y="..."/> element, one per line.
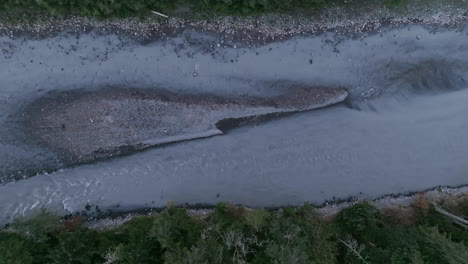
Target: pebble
<point x="354" y="20"/>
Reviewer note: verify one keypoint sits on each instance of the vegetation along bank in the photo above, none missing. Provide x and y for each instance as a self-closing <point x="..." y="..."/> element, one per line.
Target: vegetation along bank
<point x="421" y="233"/>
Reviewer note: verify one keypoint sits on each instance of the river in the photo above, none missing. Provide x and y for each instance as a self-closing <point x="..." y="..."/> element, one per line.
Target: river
<point x="402" y="129"/>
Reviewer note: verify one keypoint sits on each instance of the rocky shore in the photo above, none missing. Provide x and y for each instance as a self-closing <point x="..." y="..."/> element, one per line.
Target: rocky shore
<point x="442" y="196"/>
<point x="352" y="19"/>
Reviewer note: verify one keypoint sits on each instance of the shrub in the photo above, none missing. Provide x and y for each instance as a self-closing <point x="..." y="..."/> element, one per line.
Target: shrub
<point x="14" y="249"/>
<point x="127" y="8"/>
<point x="358" y="219"/>
<point x="91" y="8"/>
<point x="399" y="216"/>
<point x="439" y="247"/>
<point x="257" y="6"/>
<point x="80" y="246"/>
<point x="235" y="235"/>
<point x="301" y="240"/>
<point x="227" y="214"/>
<point x="257" y="219"/>
<point x="37" y="226"/>
<point x="175" y="231"/>
<point x="393" y="245"/>
<point x="135" y="243"/>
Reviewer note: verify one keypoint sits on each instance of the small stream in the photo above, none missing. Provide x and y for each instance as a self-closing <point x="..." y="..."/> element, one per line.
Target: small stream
<point x="402" y="129"/>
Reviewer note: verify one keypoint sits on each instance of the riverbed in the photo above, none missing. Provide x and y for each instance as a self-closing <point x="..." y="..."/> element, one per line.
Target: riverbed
<point x="402" y="129"/>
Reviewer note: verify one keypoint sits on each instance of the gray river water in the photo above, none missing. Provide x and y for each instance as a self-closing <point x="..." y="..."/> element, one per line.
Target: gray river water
<point x="403" y="128"/>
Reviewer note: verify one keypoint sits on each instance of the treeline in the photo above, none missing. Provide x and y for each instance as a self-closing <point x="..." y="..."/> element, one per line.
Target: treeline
<point x="358" y="234"/>
<point x="128" y="8"/>
<point x="89" y="8"/>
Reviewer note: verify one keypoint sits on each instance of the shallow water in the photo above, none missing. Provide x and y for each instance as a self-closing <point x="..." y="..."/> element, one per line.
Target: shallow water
<point x="402" y="130"/>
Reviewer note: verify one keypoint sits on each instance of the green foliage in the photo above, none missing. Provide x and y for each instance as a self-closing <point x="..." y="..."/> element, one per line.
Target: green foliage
<point x="391" y="3"/>
<point x="91" y="8"/>
<point x="375" y="242"/>
<point x="393" y="245"/>
<point x="135" y="243"/>
<point x="257" y="219"/>
<point x="358" y="219"/>
<point x="227" y="214"/>
<point x="433" y="218"/>
<point x="80" y="246"/>
<point x="127" y="8"/>
<point x="440" y="248"/>
<point x="12" y="249"/>
<point x="289" y="212"/>
<point x="246" y="7"/>
<point x="306" y="210"/>
<point x="297" y="240"/>
<point x="176" y="231"/>
<point x="174" y="228"/>
<point x="37" y="226"/>
<point x="236" y="235"/>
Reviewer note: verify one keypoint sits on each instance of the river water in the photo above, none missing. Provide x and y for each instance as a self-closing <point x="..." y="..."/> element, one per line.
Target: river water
<point x="403" y="128"/>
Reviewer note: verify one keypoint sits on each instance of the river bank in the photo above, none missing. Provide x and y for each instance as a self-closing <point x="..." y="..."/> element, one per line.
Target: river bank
<point x="425" y="231"/>
<point x="441" y="196"/>
<point x="353" y="19"/>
